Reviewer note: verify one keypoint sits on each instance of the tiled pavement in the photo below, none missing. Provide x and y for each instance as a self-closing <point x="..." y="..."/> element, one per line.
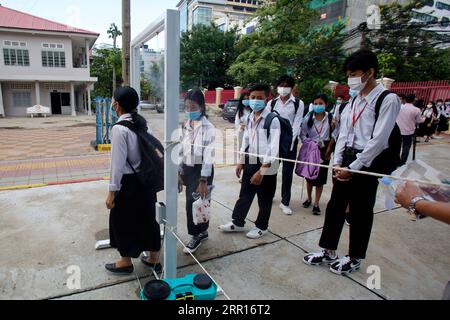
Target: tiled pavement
<point x="20" y="144"/>
<point x="30" y="172"/>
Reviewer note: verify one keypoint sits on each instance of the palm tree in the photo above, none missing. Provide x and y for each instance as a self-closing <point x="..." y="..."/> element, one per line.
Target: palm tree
<point x="114" y="33"/>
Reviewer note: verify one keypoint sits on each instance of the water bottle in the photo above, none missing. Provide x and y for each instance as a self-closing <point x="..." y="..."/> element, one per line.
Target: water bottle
<point x="389" y="192"/>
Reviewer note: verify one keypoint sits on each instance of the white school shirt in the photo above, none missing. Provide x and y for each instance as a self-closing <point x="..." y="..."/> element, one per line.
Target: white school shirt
<point x="364" y="128"/>
<point x="241" y="120"/>
<point x="124" y="144"/>
<point x="320" y="131"/>
<point x="255" y="138"/>
<point x="200" y="139"/>
<point x="287" y="111"/>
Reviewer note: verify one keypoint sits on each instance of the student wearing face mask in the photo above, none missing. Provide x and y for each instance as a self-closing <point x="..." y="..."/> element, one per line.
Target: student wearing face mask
<point x="259" y="174"/>
<point x="292" y="109"/>
<point x="133" y="227"/>
<point x="428" y="127"/>
<point x="317" y="127"/>
<point x="242" y="115"/>
<point x="196" y="171"/>
<point x="443" y="117"/>
<point x="364" y="144"/>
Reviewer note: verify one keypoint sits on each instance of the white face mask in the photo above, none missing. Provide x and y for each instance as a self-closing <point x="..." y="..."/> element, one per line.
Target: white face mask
<point x="284" y="91"/>
<point x="355" y="83"/>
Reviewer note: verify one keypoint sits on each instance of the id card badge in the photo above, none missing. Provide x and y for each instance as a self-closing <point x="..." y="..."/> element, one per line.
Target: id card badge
<point x="351" y="140"/>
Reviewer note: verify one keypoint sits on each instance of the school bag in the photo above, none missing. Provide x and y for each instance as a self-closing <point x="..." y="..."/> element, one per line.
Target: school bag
<point x="151" y="169"/>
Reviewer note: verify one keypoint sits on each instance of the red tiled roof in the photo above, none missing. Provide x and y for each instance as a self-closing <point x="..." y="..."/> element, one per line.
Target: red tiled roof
<point x="14" y="19"/>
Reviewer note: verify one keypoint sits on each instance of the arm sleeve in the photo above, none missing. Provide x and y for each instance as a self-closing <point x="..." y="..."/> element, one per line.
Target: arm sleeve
<point x="342" y="140"/>
<point x="119" y="155"/>
<point x="208" y="151"/>
<point x="273" y="143"/>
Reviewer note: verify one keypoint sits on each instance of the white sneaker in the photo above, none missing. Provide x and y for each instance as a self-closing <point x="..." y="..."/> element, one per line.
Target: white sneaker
<point x="437" y="137"/>
<point x="257" y="233"/>
<point x="286" y="210"/>
<point x="231" y="227"/>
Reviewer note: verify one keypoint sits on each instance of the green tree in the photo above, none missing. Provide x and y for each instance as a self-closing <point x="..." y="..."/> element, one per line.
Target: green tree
<point x="409" y="50"/>
<point x="206" y="55"/>
<point x="102" y="68"/>
<point x="289" y="39"/>
<point x="114" y="33"/>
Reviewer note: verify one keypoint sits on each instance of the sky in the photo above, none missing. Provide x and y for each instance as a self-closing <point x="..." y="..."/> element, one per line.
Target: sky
<point x="97" y="15"/>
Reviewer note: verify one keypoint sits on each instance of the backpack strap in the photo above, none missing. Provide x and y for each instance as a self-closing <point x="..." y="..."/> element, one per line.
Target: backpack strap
<point x="269" y="120"/>
<point x="378" y="107"/>
<point x="273" y="104"/>
<point x="342" y="107"/>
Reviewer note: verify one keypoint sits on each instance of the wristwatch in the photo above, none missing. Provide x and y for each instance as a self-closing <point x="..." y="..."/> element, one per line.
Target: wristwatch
<point x="412" y="206"/>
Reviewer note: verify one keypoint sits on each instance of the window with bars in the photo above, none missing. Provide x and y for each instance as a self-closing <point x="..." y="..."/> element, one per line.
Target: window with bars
<point x="54" y="59"/>
<point x="22" y="98"/>
<point x="16" y="57"/>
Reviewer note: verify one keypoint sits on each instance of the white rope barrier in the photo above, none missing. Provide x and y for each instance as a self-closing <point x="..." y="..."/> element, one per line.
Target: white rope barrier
<point x="373" y="174"/>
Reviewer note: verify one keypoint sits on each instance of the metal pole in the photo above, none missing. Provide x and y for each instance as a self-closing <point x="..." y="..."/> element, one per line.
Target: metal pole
<point x="172" y="93"/>
<point x="126" y="39"/>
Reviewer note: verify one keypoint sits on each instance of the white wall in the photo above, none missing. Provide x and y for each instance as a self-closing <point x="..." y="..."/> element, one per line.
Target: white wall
<point x="12" y="111"/>
<point x="36" y="70"/>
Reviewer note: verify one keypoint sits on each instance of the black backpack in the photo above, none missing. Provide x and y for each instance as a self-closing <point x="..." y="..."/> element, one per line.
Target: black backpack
<point x="151" y="169"/>
<point x="286" y="137"/>
<point x="389" y="160"/>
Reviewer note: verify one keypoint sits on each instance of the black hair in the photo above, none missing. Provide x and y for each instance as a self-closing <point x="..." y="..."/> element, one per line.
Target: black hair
<point x="197" y="96"/>
<point x="322" y="96"/>
<point x="439" y="100"/>
<point x="410" y="98"/>
<point x="342" y="97"/>
<point x="447" y="100"/>
<point x="401" y="96"/>
<point x="128" y="99"/>
<point x="241" y="106"/>
<point x="362" y="60"/>
<point x="260" y="87"/>
<point x="286" y="79"/>
<point x="435" y="110"/>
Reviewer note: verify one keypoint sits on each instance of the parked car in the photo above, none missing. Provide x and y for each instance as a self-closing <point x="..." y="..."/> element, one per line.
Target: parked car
<point x="147" y="105"/>
<point x="230" y="110"/>
<point x="160" y="107"/>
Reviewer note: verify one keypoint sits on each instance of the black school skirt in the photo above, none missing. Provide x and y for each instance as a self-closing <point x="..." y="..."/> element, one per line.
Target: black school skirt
<point x="132" y="222"/>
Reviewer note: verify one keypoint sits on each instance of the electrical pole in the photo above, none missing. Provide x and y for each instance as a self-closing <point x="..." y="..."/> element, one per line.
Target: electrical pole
<point x="126" y="40"/>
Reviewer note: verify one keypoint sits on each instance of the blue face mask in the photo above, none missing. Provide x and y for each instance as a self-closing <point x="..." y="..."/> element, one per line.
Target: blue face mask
<point x="246" y="103"/>
<point x="319" y="108"/>
<point x="353" y="93"/>
<point x="193" y="115"/>
<point x="257" y="105"/>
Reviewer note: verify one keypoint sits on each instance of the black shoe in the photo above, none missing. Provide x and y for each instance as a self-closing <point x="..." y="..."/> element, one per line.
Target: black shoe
<point x="111" y="267"/>
<point x="316" y="211"/>
<point x="307" y="204"/>
<point x="345" y="266"/>
<point x="196" y="242"/>
<point x="157" y="267"/>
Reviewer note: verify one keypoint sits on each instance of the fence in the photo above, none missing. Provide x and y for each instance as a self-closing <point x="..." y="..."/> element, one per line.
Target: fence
<point x="104" y="120"/>
<point x="210" y="96"/>
<point x="425" y="90"/>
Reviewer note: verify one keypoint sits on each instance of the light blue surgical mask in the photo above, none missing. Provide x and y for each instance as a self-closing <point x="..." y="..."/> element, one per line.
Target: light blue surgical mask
<point x="246" y="103"/>
<point x="319" y="108"/>
<point x="195" y="115"/>
<point x="257" y="105"/>
<point x="353" y="93"/>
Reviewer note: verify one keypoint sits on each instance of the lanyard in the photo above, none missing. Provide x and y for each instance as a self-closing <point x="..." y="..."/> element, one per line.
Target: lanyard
<point x="356" y="119"/>
<point x="317" y="130"/>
